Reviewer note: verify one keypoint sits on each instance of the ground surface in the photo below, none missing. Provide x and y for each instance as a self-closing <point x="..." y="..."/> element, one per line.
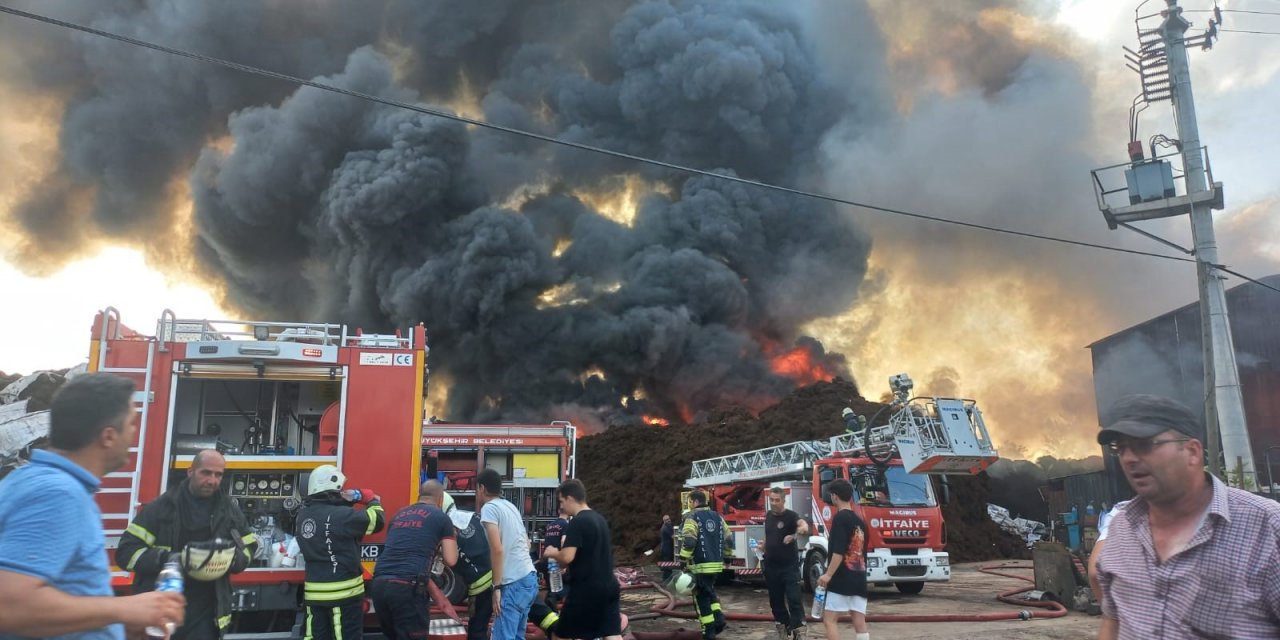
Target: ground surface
<point x="968" y="592"/>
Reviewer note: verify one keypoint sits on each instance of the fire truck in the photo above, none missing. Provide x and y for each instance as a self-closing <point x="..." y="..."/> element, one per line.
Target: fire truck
<point x="890" y="467"/>
<point x="281" y="398"/>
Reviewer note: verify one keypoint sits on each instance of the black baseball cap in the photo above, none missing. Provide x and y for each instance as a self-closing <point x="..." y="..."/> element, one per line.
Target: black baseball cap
<point x="1145" y="416"/>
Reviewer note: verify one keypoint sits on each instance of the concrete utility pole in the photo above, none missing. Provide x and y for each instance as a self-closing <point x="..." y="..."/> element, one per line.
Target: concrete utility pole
<point x="1225" y="404"/>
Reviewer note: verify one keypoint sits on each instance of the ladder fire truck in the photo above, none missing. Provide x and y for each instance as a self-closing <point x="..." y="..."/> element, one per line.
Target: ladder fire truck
<point x="281" y="398"/>
<point x="888" y="466"/>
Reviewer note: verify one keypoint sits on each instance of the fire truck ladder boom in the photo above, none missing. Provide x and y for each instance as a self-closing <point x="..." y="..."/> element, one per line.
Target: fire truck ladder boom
<point x="760" y="464"/>
<point x="854" y="442"/>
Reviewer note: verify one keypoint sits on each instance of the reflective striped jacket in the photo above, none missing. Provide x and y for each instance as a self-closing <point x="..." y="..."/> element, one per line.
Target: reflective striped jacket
<point x="329" y="531"/>
<point x="707" y="541"/>
<point x="157" y="532"/>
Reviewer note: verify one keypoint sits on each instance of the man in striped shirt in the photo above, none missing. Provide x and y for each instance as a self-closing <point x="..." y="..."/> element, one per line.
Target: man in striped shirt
<point x="1188" y="557"/>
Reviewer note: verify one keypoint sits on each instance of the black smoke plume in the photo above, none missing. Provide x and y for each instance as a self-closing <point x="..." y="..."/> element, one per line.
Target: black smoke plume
<point x="317" y="206"/>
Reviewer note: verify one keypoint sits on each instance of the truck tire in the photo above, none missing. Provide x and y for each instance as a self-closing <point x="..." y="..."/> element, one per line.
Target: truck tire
<point x="453" y="587"/>
<point x="815" y="564"/>
<point x="909" y="588"/>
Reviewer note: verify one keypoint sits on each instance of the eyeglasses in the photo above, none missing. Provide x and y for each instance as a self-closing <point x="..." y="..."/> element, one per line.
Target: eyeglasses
<point x="1139" y="447"/>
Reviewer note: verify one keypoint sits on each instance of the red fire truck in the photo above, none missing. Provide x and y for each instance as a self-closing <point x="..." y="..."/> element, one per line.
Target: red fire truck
<point x="887" y="466"/>
<point x="281" y="398"/>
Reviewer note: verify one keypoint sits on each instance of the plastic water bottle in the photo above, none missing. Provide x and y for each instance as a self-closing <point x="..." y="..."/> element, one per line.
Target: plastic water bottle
<point x="755" y="548"/>
<point x="553" y="576"/>
<point x="170" y="579"/>
<point x="819" y="602"/>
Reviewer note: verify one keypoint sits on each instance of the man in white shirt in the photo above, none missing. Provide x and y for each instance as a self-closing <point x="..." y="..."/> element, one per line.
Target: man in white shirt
<point x="514" y="580"/>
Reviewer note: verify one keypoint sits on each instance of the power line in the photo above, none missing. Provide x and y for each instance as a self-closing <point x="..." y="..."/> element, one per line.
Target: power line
<point x="1261" y="33"/>
<point x="1244" y="277"/>
<point x="1260" y="13"/>
<point x="577" y="145"/>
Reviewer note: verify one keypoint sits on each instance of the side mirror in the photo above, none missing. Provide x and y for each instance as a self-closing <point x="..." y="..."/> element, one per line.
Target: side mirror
<point x="944" y="490"/>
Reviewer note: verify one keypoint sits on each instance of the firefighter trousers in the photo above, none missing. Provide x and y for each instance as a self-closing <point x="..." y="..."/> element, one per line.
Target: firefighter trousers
<point x="707" y="604"/>
<point x="340" y="622"/>
<point x="403" y="612"/>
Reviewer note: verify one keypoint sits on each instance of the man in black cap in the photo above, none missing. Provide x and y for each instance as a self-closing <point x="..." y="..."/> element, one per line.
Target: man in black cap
<point x="1189" y="556"/>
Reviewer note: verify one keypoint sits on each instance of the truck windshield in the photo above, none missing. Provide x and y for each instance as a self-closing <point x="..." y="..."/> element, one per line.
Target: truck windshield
<point x="908" y="489"/>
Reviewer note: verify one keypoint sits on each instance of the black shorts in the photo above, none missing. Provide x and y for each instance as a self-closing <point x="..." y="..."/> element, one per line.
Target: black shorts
<point x="590" y="613"/>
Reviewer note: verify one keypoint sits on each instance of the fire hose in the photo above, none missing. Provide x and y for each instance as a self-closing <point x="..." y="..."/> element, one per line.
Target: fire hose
<point x="1052" y="610"/>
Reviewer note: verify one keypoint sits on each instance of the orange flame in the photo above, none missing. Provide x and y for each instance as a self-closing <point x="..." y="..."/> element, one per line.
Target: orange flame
<point x="798" y="364"/>
<point x="655" y="421"/>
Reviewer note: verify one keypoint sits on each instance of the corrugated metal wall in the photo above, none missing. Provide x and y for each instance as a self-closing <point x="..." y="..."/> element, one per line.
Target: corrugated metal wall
<point x="1163" y="356"/>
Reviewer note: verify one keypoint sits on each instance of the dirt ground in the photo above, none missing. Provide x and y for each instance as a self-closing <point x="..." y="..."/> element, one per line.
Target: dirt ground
<point x="968" y="592"/>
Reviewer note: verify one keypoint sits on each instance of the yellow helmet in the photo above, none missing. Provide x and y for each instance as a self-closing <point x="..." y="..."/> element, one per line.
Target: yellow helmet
<point x="208" y="561"/>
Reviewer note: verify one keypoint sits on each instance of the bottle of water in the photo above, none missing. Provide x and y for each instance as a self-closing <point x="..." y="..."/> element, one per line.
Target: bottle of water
<point x="170" y="579"/>
<point x="819" y="602"/>
<point x="755" y="548"/>
<point x="554" y="579"/>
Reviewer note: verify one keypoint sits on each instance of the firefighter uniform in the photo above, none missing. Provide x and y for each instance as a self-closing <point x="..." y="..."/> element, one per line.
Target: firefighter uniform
<point x="329" y="530"/>
<point x="475" y="568"/>
<point x="706" y="544"/>
<point x="168" y="524"/>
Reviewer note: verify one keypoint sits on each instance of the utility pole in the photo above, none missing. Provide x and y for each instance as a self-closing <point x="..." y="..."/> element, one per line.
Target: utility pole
<point x="1221" y="377"/>
<point x="1164" y="73"/>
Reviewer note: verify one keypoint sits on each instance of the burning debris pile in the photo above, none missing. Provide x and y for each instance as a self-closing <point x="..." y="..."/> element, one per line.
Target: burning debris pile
<point x="634" y="474"/>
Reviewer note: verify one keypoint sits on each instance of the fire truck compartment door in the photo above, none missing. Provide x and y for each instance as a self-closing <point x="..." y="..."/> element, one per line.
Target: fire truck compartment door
<point x="536" y="465"/>
<point x="269" y="371"/>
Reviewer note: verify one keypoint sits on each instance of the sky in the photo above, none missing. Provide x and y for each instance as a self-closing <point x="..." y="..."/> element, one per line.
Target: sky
<point x="46" y="317"/>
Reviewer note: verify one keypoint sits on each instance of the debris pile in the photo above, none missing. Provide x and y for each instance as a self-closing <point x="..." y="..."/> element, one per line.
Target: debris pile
<point x="1029" y="530"/>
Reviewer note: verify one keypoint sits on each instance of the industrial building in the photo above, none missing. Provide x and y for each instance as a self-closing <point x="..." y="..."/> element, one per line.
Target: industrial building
<point x="1164" y="356"/>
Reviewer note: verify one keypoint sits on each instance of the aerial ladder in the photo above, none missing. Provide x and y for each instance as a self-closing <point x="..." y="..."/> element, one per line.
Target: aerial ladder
<point x="931" y="435"/>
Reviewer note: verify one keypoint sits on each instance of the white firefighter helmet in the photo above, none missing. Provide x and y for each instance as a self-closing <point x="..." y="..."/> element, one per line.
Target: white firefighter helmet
<point x="683" y="583"/>
<point x="208" y="561"/>
<point x="447" y="505"/>
<point x="325" y="477"/>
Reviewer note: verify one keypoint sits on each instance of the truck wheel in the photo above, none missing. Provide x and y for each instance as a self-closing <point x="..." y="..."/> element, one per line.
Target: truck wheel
<point x="910" y="588"/>
<point x="453" y="587"/>
<point x="815" y="564"/>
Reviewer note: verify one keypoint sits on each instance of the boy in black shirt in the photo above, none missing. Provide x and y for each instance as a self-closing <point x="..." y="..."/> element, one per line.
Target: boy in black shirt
<point x="846" y="576"/>
<point x="592" y="602"/>
<point x="782" y="565"/>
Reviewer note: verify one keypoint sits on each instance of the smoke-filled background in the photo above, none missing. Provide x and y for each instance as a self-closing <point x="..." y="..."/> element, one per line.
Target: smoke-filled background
<point x="560" y="283"/>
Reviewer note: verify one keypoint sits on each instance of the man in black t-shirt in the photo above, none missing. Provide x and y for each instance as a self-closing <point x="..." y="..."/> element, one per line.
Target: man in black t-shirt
<point x="846" y="576"/>
<point x="782" y="565"/>
<point x="399" y="587"/>
<point x="592" y="607"/>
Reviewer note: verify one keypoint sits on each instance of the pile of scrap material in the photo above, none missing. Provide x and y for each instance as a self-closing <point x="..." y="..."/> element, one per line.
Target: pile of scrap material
<point x="634" y="474"/>
<point x="24" y="414"/>
<point x="1028" y="530"/>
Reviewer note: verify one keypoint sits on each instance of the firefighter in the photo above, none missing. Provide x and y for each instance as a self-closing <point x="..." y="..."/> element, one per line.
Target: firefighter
<point x="707" y="544"/>
<point x="476" y="570"/>
<point x="210" y="536"/>
<point x="329" y="531"/>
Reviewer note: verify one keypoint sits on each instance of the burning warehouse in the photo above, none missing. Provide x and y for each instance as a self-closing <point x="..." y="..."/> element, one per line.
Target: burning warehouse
<point x="1163" y="356"/>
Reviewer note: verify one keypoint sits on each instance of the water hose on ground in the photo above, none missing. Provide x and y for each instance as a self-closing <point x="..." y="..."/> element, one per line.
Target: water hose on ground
<point x="1054" y="609"/>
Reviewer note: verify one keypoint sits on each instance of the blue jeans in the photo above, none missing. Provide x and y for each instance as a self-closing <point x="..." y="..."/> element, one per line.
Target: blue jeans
<point x="517" y="597"/>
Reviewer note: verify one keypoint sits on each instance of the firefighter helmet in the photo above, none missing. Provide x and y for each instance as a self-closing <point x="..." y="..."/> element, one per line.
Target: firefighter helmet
<point x="325" y="477"/>
<point x="209" y="560"/>
<point x="684" y="584"/>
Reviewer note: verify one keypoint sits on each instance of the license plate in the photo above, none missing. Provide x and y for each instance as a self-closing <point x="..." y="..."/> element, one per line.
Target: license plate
<point x="915" y="562"/>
